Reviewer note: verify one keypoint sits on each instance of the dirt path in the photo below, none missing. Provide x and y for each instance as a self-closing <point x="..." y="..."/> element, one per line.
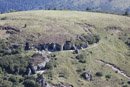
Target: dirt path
<point x="114" y="68"/>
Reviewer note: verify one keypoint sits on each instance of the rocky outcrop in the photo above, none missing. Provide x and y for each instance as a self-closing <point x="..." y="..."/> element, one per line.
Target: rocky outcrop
<point x="30" y="69"/>
<point x="49" y="47"/>
<point x="37" y="63"/>
<point x="52" y="47"/>
<point x="68" y="46"/>
<point x="87" y="76"/>
<point x="80" y="42"/>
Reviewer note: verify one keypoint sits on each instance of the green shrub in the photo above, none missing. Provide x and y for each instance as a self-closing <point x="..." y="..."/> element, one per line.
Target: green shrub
<point x="13" y="79"/>
<point x="125" y="86"/>
<point x="3" y="18"/>
<point x="49" y="75"/>
<point x="99" y="74"/>
<point x="91" y="38"/>
<point x="49" y="65"/>
<point x="5" y="83"/>
<point x="81" y="58"/>
<point x="108" y="76"/>
<point x="29" y="83"/>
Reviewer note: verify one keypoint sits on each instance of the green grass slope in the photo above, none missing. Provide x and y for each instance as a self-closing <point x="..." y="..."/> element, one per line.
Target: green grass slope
<point x="68" y="24"/>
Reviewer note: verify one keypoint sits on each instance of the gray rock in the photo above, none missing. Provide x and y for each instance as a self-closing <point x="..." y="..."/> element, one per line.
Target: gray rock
<point x="87" y="76"/>
<point x="68" y="46"/>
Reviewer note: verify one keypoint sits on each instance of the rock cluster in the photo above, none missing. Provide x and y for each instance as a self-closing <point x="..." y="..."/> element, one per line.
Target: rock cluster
<point x="37" y="63"/>
<point x="87" y="76"/>
<point x="52" y="47"/>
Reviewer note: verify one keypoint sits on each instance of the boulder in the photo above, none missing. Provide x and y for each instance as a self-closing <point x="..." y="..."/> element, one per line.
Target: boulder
<point x="15" y="46"/>
<point x="51" y="47"/>
<point x="76" y="51"/>
<point x="27" y="47"/>
<point x="87" y="76"/>
<point x="58" y="47"/>
<point x="30" y="69"/>
<point x="84" y="45"/>
<point x="68" y="46"/>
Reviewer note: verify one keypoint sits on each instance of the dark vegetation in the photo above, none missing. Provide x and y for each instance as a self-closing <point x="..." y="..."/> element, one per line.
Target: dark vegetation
<point x="81" y="58"/>
<point x="125" y="38"/>
<point x="99" y="74"/>
<point x="86" y="5"/>
<point x="13" y="66"/>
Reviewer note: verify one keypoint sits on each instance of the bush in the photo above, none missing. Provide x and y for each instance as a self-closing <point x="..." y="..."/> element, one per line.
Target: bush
<point x="30" y="83"/>
<point x="108" y="76"/>
<point x="4" y="18"/>
<point x="81" y="58"/>
<point x="5" y="83"/>
<point x="49" y="75"/>
<point x="90" y="38"/>
<point x="49" y="65"/>
<point x="128" y="42"/>
<point x="99" y="74"/>
<point x="97" y="38"/>
<point x="13" y="79"/>
<point x="125" y="86"/>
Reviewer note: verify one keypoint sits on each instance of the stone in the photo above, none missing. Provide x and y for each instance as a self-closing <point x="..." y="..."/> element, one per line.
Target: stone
<point x="68" y="46"/>
<point x="27" y="47"/>
<point x="87" y="76"/>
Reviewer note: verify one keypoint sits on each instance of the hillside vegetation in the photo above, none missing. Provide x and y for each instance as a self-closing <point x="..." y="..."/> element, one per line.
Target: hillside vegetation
<point x="67" y="67"/>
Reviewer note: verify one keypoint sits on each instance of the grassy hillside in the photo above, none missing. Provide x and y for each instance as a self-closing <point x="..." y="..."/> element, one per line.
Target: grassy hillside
<point x="59" y="26"/>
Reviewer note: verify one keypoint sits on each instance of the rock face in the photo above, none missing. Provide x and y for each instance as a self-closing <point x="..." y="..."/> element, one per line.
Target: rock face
<point x="52" y="47"/>
<point x="30" y="69"/>
<point x="68" y="46"/>
<point x="49" y="47"/>
<point x="37" y="63"/>
<point x="80" y="42"/>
